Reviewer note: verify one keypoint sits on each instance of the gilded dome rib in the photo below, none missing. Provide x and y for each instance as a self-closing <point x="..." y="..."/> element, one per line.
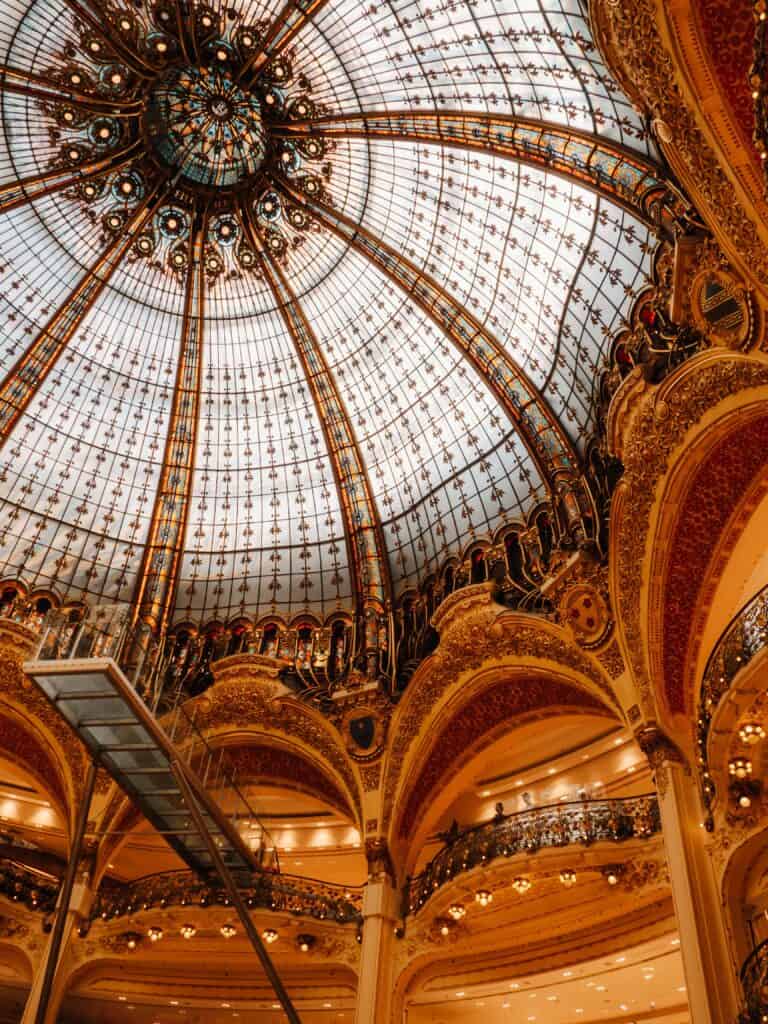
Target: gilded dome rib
<point x="283" y="30"/>
<point x="28" y="373"/>
<point x="158" y="577"/>
<point x="610" y="170"/>
<point x="49" y="90"/>
<point x="527" y="410"/>
<point x="367" y="551"/>
<point x="27" y="190"/>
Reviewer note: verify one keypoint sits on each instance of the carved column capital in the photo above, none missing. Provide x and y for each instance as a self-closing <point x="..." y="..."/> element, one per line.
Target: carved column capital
<point x="380" y="866"/>
<point x="658" y="748"/>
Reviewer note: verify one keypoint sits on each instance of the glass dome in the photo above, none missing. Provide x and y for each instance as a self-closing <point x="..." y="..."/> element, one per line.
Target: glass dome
<point x="299" y="301"/>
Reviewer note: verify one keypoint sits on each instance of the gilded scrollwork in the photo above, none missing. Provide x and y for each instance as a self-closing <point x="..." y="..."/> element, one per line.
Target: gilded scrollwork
<point x="656" y="431"/>
<point x="475" y="631"/>
<point x="629" y="37"/>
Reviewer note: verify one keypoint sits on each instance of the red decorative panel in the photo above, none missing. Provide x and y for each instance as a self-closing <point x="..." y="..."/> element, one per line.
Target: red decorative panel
<point x="283" y="766"/>
<point x="29" y="753"/>
<point x="500" y="703"/>
<point x="729" y="32"/>
<point x="712" y="497"/>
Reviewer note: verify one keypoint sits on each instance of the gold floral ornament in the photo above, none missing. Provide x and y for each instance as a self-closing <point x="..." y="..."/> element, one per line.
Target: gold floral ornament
<point x="722" y="309"/>
<point x="180" y="111"/>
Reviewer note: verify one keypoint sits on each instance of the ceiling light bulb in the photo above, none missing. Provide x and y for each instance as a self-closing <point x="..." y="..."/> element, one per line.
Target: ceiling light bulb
<point x="188" y="931"/>
<point x="521" y="885"/>
<point x="228" y="931"/>
<point x="568" y="877"/>
<point x="154" y="933"/>
<point x="484" y="897"/>
<point x="740" y="767"/>
<point x="751" y="733"/>
<point x="457" y="911"/>
<point x="269" y="935"/>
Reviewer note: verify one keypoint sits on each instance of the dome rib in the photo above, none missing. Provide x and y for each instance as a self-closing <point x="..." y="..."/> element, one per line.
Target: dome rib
<point x="97" y="19"/>
<point x="48" y="90"/>
<point x="30" y="370"/>
<point x="363" y="530"/>
<point x="609" y="170"/>
<point x="545" y="439"/>
<point x="158" y="577"/>
<point x="27" y="190"/>
<point x="283" y="29"/>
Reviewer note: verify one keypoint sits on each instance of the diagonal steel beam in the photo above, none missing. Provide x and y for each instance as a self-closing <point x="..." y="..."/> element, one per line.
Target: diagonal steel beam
<point x="157" y="578"/>
<point x="281" y="33"/>
<point x="603" y="167"/>
<point x="363" y="525"/>
<point x="27" y="190"/>
<point x="40" y="87"/>
<point x="96" y="17"/>
<point x="525" y="406"/>
<point x="30" y="371"/>
<point x="234" y="894"/>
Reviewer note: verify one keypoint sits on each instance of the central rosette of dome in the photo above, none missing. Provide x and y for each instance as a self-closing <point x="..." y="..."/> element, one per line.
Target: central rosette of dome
<point x="200" y="122"/>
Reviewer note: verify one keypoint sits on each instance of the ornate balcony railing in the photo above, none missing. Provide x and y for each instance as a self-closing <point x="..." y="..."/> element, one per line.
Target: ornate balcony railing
<point x="754" y="982"/>
<point x="304" y="897"/>
<point x="35" y="890"/>
<point x="744" y="638"/>
<point x="583" y="822"/>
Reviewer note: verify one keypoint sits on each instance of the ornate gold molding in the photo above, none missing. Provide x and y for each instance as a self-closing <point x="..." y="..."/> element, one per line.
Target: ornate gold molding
<point x="635" y="50"/>
<point x="664" y="416"/>
<point x="475" y="633"/>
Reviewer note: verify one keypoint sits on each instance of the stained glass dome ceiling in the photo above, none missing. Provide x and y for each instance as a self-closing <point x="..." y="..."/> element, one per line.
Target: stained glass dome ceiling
<point x="299" y="298"/>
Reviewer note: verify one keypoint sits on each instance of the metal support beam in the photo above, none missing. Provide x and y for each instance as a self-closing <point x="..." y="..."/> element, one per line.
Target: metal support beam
<point x="25" y="83"/>
<point x="368" y="553"/>
<point x="65" y="894"/>
<point x="526" y="408"/>
<point x="27" y="190"/>
<point x="283" y="30"/>
<point x="97" y="18"/>
<point x="602" y="166"/>
<point x="158" y="576"/>
<point x="25" y="377"/>
<point x="234" y="894"/>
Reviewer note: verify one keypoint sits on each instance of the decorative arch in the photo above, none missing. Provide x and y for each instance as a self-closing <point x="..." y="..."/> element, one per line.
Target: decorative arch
<point x="693" y="451"/>
<point x="482" y="645"/>
<point x="497" y="700"/>
<point x="235" y="709"/>
<point x="745" y="891"/>
<point x="275" y="760"/>
<point x="659" y="54"/>
<point x="51" y="750"/>
<point x="25" y="747"/>
<point x="716" y="500"/>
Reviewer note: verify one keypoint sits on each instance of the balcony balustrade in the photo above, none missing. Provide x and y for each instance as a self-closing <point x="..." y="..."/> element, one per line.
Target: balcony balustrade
<point x="583" y="822"/>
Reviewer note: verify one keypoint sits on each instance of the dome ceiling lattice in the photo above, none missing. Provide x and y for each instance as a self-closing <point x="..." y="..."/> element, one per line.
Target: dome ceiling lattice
<point x="298" y="299"/>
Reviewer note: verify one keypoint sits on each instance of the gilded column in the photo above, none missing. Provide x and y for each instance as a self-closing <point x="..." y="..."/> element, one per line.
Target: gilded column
<point x="380" y="913"/>
<point x="710" y="975"/>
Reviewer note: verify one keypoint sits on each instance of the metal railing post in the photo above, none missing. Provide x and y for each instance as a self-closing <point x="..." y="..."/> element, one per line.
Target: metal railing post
<point x="66" y="895"/>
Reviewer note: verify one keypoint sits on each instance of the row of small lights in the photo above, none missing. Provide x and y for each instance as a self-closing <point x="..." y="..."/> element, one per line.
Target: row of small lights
<point x="521" y="885"/>
<point x="763" y="153"/>
<point x="188" y="931"/>
<point x="648" y="975"/>
<point x="750" y="734"/>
